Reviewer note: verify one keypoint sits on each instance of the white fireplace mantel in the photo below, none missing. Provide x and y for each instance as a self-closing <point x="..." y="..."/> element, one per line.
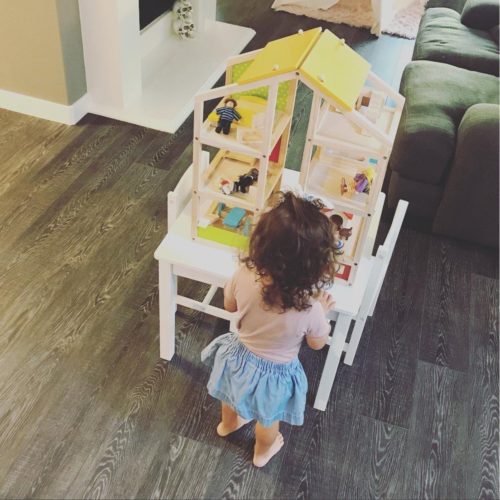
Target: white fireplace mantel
<point x="150" y="78"/>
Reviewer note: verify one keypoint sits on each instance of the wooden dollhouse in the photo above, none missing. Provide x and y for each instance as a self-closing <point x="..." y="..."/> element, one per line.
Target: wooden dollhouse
<point x="353" y="120"/>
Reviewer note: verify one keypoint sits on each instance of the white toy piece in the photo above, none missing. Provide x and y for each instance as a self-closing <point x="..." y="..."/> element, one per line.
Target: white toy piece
<point x="183" y="19"/>
<point x="254" y="134"/>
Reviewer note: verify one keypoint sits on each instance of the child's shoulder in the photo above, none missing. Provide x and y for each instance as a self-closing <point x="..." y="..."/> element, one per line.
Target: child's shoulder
<point x="314" y="310"/>
<point x="244" y="273"/>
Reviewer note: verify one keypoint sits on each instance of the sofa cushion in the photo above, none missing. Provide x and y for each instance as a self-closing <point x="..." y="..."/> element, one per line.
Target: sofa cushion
<point x="423" y="198"/>
<point x="469" y="207"/>
<point x="437" y="97"/>
<point x="443" y="38"/>
<point x="481" y="14"/>
<point x="495" y="33"/>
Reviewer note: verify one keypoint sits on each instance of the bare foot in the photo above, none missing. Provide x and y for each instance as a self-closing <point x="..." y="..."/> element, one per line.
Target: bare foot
<point x="224" y="431"/>
<point x="261" y="459"/>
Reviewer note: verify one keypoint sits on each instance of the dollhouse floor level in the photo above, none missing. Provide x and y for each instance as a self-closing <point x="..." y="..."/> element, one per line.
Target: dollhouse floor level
<point x="251" y="146"/>
<point x="334" y="125"/>
<point x="223" y="167"/>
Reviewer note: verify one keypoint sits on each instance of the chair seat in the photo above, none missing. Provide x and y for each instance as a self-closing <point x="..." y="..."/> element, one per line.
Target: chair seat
<point x="437" y="97"/>
<point x="443" y="38"/>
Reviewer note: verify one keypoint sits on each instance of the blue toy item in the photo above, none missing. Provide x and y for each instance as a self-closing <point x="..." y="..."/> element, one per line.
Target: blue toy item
<point x="246" y="227"/>
<point x="233" y="218"/>
<point x="220" y="207"/>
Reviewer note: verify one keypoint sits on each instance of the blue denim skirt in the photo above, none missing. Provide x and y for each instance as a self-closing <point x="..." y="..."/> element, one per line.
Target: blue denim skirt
<point x="256" y="388"/>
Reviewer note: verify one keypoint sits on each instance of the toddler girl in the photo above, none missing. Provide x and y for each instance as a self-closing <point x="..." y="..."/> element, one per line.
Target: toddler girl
<point x="277" y="292"/>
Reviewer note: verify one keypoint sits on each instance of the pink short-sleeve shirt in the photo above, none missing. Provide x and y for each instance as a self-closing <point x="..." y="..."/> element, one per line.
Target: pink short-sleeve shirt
<point x="268" y="333"/>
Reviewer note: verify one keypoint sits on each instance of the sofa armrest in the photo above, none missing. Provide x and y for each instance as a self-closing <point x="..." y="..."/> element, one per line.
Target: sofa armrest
<point x="481" y="14"/>
<point x="469" y="207"/>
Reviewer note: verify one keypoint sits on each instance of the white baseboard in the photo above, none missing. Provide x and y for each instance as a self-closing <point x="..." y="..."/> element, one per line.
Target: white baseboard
<point x="41" y="108"/>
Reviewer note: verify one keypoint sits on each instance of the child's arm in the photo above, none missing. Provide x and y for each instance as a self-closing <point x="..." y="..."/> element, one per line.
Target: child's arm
<point x="315" y="343"/>
<point x="229" y="300"/>
<point x="230" y="293"/>
<point x="320" y="327"/>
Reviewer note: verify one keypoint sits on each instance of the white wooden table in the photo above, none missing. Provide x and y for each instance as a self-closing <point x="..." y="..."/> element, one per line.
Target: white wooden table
<point x="180" y="256"/>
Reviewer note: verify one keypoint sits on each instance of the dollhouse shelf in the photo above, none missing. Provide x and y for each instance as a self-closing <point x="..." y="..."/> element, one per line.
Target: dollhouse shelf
<point x="212" y="227"/>
<point x="209" y="137"/>
<point x="335" y="129"/>
<point x="325" y="180"/>
<point x="226" y="165"/>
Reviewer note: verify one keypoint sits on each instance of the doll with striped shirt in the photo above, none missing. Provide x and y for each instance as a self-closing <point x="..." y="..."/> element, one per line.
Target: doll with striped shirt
<point x="227" y="114"/>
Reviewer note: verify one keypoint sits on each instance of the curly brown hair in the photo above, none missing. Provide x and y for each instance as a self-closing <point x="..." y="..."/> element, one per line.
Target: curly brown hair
<point x="292" y="251"/>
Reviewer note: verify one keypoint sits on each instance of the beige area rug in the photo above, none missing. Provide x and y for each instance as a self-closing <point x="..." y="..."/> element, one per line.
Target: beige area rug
<point x="360" y="15"/>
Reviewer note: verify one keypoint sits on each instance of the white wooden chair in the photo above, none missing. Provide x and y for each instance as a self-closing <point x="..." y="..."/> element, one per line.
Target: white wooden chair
<point x="380" y="263"/>
<point x="176" y="202"/>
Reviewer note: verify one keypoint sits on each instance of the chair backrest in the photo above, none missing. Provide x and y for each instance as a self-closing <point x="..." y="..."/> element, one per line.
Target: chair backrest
<point x="181" y="195"/>
<point x="382" y="260"/>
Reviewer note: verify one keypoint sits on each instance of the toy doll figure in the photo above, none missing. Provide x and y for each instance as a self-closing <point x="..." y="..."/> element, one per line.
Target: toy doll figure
<point x="363" y="180"/>
<point x="227" y="114"/>
<point x="341" y="234"/>
<point x="246" y="180"/>
<point x="226" y="186"/>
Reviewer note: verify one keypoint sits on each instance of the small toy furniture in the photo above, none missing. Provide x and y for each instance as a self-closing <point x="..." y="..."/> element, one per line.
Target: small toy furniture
<point x="353" y="120"/>
<point x="179" y="255"/>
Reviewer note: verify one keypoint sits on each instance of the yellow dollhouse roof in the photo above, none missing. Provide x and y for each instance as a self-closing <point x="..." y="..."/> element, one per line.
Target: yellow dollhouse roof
<point x="323" y="60"/>
<point x="281" y="56"/>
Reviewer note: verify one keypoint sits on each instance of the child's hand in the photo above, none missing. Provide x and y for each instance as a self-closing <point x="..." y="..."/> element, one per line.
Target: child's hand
<point x="326" y="301"/>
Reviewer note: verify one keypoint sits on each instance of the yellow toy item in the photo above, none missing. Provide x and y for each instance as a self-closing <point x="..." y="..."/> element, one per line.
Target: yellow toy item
<point x="281" y="56"/>
<point x="342" y="86"/>
<point x="369" y="173"/>
<point x="306" y="53"/>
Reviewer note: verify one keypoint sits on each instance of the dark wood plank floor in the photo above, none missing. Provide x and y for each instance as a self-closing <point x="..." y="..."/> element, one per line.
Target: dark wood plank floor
<point x="87" y="409"/>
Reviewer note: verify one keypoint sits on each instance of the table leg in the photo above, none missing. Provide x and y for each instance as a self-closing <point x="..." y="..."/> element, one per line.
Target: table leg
<point x="332" y="361"/>
<point x="167" y="286"/>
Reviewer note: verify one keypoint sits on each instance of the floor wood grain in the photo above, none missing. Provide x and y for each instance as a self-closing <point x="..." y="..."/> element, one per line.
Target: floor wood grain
<point x="444" y="338"/>
<point x="394" y="343"/>
<point x="435" y="457"/>
<point x="375" y="472"/>
<point x="482" y="450"/>
<point x="87" y="408"/>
